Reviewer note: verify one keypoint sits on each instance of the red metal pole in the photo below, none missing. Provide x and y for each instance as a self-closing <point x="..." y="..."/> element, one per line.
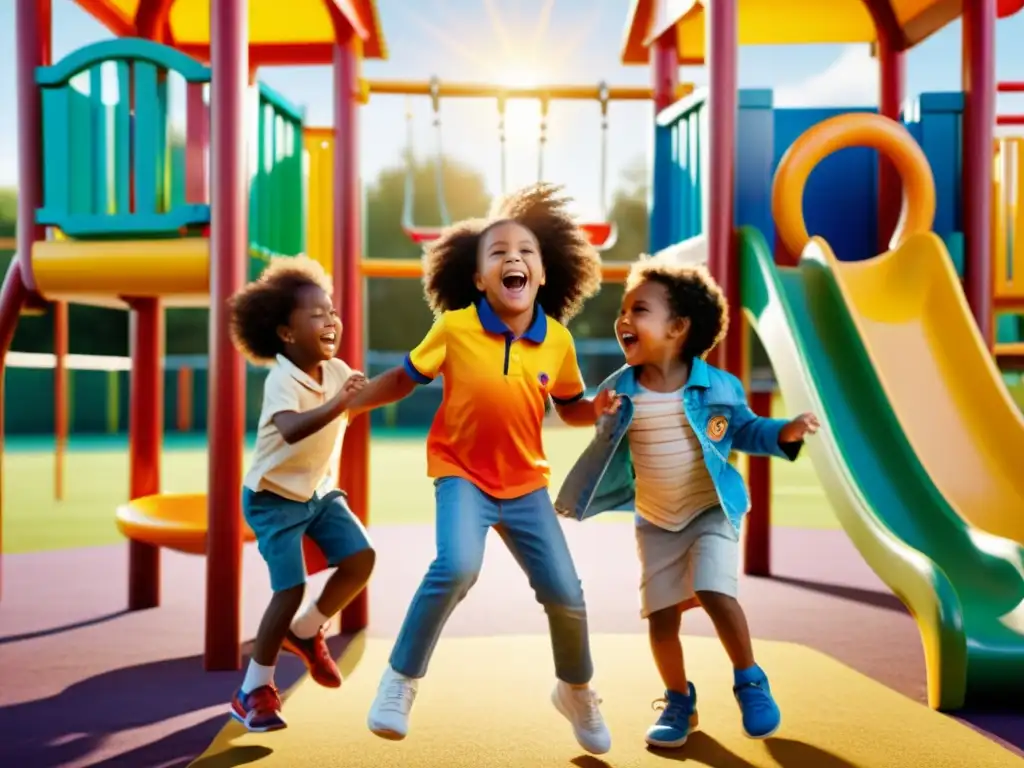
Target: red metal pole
<point x="979" y="85"/>
<point x="757" y="544"/>
<point x="33" y="20"/>
<point x="723" y="53"/>
<point x="354" y="473"/>
<point x="145" y="438"/>
<point x="32" y="27"/>
<point x="891" y="86"/>
<point x="60" y="395"/>
<point x="13" y="296"/>
<point x="185" y="399"/>
<point x="664" y="70"/>
<point x="229" y="56"/>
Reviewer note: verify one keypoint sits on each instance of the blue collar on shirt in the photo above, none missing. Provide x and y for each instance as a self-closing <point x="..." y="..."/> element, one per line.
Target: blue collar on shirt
<point x="489" y="319"/>
<point x="629" y="381"/>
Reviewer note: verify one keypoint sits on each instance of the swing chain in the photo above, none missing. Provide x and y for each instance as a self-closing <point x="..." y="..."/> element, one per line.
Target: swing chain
<point x="544" y="103"/>
<point x="603" y="98"/>
<point x="501" y="137"/>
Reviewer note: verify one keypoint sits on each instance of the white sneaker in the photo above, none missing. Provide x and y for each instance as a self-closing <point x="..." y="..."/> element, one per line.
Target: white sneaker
<point x="580" y="707"/>
<point x="389" y="715"/>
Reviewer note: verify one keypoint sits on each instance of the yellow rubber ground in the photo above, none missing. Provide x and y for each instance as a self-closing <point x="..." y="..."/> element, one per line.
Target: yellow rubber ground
<point x="486" y="703"/>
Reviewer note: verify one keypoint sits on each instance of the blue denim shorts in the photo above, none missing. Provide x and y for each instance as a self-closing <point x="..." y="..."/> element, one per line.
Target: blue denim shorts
<point x="280" y="524"/>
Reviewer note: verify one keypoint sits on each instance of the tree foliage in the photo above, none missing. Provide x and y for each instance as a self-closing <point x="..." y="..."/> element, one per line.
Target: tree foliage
<point x="397" y="315"/>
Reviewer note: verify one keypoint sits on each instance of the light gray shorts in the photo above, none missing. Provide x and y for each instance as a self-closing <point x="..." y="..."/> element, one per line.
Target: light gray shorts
<point x="675" y="565"/>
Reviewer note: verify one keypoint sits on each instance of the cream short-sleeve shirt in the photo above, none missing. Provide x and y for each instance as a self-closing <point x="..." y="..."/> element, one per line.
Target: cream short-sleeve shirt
<point x="299" y="470"/>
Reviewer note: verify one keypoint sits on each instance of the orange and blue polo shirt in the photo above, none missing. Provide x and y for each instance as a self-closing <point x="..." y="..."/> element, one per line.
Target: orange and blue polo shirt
<point x="488" y="427"/>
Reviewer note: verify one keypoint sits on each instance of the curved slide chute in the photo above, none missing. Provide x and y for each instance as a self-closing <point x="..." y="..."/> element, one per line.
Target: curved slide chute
<point x="964" y="587"/>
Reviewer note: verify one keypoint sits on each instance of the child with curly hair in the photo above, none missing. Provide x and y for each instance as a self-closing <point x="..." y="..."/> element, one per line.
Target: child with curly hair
<point x="665" y="452"/>
<point x="287" y="317"/>
<point x="502" y="289"/>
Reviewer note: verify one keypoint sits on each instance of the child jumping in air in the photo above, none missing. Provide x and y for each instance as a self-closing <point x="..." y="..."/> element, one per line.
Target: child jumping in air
<point x="666" y="451"/>
<point x="503" y="289"/>
<point x="287" y="317"/>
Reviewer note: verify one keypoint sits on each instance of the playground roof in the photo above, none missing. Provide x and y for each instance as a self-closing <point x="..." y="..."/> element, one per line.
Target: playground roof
<point x="281" y="32"/>
<point x="785" y="22"/>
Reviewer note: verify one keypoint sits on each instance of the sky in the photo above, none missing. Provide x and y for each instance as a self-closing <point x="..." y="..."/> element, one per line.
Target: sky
<point x="535" y="42"/>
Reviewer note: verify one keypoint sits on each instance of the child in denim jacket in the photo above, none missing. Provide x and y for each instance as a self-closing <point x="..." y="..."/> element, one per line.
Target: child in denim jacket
<point x="665" y="451"/>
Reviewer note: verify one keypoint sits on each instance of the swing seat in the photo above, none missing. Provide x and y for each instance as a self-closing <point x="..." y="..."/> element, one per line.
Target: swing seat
<point x="601" y="234"/>
<point x="169" y="520"/>
<point x="422" y="234"/>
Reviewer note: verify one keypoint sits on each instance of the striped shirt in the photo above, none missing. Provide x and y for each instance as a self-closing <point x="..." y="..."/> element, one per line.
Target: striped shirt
<point x="672" y="481"/>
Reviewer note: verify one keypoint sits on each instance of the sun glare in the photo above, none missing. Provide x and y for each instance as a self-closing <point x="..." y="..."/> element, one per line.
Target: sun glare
<point x="519" y="76"/>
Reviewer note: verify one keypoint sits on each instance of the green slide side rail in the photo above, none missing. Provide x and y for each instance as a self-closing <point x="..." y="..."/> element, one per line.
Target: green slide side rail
<point x="962" y="586"/>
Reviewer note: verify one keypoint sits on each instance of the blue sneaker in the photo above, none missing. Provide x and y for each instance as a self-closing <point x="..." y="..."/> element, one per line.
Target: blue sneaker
<point x="678" y="718"/>
<point x="761" y="716"/>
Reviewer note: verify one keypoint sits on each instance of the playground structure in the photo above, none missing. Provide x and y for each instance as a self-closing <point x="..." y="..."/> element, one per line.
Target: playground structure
<point x="145" y="243"/>
<point x="137" y="228"/>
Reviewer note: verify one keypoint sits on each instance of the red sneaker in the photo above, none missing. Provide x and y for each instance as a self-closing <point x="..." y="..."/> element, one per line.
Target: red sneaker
<point x="259" y="710"/>
<point x="316" y="656"/>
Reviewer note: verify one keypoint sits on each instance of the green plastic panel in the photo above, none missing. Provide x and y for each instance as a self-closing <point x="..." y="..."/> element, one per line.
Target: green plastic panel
<point x="77" y="193"/>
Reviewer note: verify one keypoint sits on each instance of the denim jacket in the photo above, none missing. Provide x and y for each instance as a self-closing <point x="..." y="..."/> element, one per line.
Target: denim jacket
<point x="716" y="407"/>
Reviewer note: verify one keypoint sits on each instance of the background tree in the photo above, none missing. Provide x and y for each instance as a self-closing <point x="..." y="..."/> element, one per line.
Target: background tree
<point x="397" y="314"/>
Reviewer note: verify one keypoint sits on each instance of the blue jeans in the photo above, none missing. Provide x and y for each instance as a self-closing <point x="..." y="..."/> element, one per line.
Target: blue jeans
<point x="530" y="529"/>
<point x="280" y="524"/>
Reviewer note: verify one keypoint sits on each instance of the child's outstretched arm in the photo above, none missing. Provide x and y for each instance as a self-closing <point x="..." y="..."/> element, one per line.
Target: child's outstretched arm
<point x="421" y="366"/>
<point x="584" y="412"/>
<point x="763" y="436"/>
<point x="567" y="393"/>
<point x="298" y="425"/>
<point x="390" y="386"/>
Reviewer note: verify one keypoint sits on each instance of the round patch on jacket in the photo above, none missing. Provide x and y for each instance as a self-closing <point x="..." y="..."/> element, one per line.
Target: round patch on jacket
<point x="717" y="426"/>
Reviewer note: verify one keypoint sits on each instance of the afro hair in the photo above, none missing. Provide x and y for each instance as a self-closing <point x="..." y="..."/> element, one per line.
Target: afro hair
<point x="571" y="265"/>
<point x="692" y="294"/>
<point x="265" y="304"/>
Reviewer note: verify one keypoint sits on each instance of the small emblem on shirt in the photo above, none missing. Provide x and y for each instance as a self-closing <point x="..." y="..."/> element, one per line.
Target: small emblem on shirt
<point x="543" y="379"/>
<point x="717" y="425"/>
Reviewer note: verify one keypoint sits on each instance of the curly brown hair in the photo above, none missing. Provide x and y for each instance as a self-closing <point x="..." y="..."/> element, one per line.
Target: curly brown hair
<point x="572" y="266"/>
<point x="265" y="304"/>
<point x="693" y="294"/>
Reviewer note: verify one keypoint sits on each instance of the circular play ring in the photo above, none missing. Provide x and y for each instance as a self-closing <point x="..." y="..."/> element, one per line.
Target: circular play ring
<point x="854" y="129"/>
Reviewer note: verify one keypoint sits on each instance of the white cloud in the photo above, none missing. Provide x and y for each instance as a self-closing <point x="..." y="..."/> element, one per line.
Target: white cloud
<point x="849" y="81"/>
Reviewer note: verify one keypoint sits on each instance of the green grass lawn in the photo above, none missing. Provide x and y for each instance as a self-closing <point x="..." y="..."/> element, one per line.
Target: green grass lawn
<point x="97" y="481"/>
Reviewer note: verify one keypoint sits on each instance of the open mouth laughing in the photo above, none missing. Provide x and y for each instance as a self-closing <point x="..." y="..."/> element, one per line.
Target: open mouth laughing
<point x="514" y="281"/>
<point x="329" y="338"/>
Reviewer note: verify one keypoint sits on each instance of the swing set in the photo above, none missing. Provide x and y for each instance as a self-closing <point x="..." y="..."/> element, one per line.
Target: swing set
<point x="602" y="234"/>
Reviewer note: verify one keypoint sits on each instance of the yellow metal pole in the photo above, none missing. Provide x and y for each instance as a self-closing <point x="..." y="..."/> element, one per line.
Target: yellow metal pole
<point x="450" y="90"/>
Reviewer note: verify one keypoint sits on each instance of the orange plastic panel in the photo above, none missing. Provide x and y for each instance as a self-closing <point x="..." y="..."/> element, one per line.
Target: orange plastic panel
<point x="173" y="521"/>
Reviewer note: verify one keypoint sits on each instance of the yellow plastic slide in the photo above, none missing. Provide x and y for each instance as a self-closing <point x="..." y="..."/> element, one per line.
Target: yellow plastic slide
<point x="910" y="312"/>
<point x="941" y="380"/>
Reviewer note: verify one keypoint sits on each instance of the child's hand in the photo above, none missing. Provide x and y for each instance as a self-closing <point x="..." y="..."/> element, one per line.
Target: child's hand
<point x="605" y="402"/>
<point x="355" y="382"/>
<point x="803" y="425"/>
